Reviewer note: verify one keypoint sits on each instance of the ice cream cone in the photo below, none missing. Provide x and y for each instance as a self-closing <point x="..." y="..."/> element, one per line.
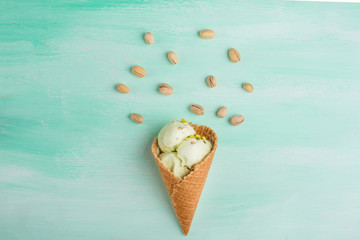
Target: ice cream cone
<point x="185" y="193"/>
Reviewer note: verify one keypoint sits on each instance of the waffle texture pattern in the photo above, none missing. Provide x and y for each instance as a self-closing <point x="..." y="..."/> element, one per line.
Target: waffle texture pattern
<point x="185" y="193"/>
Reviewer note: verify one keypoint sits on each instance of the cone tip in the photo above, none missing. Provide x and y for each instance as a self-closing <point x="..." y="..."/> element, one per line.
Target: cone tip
<point x="185" y="228"/>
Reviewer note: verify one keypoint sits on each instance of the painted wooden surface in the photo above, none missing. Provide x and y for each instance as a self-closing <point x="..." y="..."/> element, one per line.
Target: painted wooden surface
<point x="73" y="166"/>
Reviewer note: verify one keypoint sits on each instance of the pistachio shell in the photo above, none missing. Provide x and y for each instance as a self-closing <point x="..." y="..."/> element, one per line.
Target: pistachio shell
<point x="122" y="88"/>
<point x="221" y="113"/>
<point x="211" y="81"/>
<point x="149" y="38"/>
<point x="197" y="109"/>
<point x="248" y="87"/>
<point x="137" y="118"/>
<point x="237" y="120"/>
<point x="166" y="89"/>
<point x="138" y="71"/>
<point x="172" y="57"/>
<point x="207" y="34"/>
<point x="234" y="55"/>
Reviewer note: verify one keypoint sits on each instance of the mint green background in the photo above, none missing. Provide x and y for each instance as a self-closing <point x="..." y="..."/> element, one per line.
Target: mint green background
<point x="73" y="166"/>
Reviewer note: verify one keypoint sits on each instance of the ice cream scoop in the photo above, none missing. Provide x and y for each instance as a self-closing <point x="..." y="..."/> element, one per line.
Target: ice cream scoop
<point x="174" y="164"/>
<point x="192" y="151"/>
<point x="172" y="134"/>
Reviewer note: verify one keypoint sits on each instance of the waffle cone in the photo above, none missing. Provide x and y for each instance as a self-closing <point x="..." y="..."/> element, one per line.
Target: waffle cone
<point x="185" y="193"/>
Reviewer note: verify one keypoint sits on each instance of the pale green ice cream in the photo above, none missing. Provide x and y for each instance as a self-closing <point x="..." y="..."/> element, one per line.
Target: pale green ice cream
<point x="172" y="134"/>
<point x="193" y="151"/>
<point x="181" y="147"/>
<point x="174" y="164"/>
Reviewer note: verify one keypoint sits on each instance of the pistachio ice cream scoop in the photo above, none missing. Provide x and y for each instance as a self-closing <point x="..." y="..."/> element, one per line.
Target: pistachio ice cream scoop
<point x="181" y="147"/>
<point x="193" y="150"/>
<point x="174" y="164"/>
<point x="172" y="134"/>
